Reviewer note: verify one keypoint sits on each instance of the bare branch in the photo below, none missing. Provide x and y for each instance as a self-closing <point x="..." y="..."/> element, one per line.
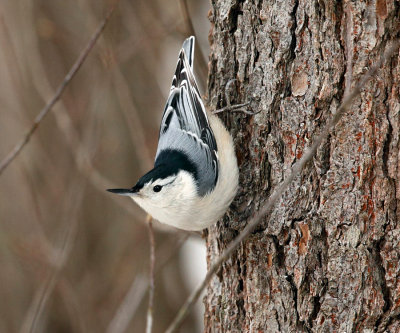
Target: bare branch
<point x="135" y="294"/>
<point x="74" y="69"/>
<point x="295" y="171"/>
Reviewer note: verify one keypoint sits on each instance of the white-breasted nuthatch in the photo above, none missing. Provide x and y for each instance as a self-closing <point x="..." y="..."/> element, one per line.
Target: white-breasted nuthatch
<point x="195" y="174"/>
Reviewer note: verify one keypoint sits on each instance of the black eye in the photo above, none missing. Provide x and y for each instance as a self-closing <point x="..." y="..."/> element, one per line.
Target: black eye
<point x="157" y="188"/>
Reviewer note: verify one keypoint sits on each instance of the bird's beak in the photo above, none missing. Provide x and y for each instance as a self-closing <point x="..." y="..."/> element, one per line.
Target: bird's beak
<point x="123" y="191"/>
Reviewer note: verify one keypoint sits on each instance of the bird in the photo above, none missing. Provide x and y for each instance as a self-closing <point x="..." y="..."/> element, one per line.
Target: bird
<point x="195" y="174"/>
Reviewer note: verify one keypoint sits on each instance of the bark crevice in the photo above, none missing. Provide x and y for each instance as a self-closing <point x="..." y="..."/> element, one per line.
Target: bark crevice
<point x="307" y="265"/>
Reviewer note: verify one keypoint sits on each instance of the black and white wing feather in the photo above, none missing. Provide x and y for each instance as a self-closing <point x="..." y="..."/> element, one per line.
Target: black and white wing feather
<point x="185" y="127"/>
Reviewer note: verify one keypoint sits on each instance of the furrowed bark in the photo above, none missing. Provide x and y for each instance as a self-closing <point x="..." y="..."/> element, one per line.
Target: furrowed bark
<point x="327" y="258"/>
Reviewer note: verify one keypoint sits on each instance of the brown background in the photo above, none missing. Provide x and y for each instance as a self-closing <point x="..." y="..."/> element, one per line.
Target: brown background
<point x="103" y="133"/>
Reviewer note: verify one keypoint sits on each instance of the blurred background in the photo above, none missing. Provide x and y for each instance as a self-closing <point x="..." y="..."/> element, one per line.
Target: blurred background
<point x="73" y="257"/>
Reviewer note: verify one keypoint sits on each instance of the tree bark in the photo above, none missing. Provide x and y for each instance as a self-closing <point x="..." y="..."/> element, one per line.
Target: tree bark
<point x="327" y="258"/>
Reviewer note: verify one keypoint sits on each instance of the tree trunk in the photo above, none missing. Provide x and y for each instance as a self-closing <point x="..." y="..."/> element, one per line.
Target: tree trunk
<point x="327" y="258"/>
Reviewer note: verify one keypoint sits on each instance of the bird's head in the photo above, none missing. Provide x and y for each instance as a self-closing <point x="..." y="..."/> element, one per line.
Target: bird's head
<point x="163" y="192"/>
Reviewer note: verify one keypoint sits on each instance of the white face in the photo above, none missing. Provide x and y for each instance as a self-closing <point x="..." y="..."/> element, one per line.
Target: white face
<point x="165" y="198"/>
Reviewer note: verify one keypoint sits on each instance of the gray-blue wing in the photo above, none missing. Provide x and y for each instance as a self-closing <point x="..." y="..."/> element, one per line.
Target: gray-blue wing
<point x="185" y="125"/>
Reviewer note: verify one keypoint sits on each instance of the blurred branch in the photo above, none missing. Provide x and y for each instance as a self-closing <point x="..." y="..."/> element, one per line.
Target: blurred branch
<point x="67" y="79"/>
<point x="128" y="306"/>
<point x="202" y="64"/>
<point x="132" y="299"/>
<point x="73" y="305"/>
<point x="186" y="16"/>
<point x="149" y="320"/>
<point x="165" y="255"/>
<point x="125" y="100"/>
<point x="64" y="123"/>
<point x="133" y="120"/>
<point x="294" y="172"/>
<point x="58" y="257"/>
<point x="84" y="165"/>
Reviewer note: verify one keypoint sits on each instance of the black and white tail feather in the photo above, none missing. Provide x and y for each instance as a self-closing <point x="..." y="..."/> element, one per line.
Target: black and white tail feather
<point x="185" y="127"/>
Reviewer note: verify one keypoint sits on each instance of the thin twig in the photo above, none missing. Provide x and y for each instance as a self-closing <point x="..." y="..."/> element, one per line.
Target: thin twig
<point x="236" y="108"/>
<point x="127" y="309"/>
<point x="295" y="171"/>
<point x="149" y="320"/>
<point x="74" y="69"/>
